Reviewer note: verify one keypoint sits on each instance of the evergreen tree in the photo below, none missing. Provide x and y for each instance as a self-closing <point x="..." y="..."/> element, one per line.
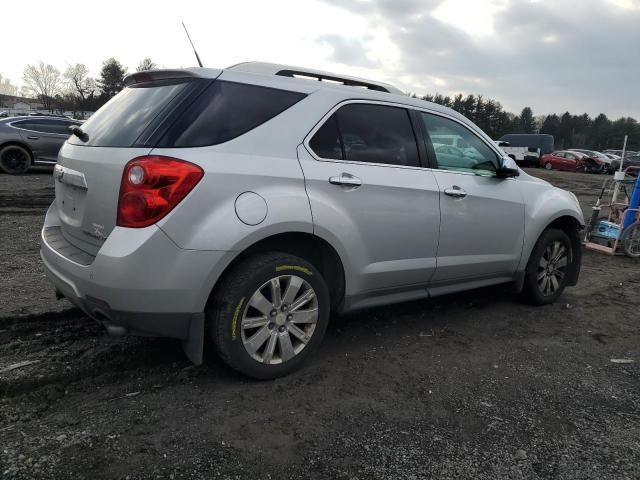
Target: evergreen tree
<point x="527" y="122"/>
<point x="111" y="78"/>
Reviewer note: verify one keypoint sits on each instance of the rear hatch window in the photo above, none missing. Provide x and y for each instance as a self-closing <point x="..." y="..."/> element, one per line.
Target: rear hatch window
<point x="183" y="113"/>
<point x="129" y="118"/>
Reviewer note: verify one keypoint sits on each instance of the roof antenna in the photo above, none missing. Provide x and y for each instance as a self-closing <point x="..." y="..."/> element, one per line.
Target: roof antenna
<point x="194" y="48"/>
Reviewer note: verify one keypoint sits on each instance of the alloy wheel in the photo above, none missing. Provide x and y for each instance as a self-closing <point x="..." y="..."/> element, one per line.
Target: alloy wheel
<point x="279" y="319"/>
<point x="552" y="268"/>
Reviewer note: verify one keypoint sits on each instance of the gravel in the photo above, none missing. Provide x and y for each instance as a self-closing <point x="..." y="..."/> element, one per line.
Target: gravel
<point x="472" y="385"/>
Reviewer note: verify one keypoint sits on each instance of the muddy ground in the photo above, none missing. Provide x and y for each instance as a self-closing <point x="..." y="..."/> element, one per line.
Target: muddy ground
<point x="474" y="385"/>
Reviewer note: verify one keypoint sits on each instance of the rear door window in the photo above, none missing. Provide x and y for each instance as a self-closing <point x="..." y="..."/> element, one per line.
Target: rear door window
<point x="226" y="110"/>
<point x="326" y="142"/>
<point x="368" y="133"/>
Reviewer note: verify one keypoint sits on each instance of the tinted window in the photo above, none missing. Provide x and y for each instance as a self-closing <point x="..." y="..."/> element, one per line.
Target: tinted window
<point x="377" y="134"/>
<point x="471" y="154"/>
<point x="326" y="142"/>
<point x="225" y="111"/>
<point x="58" y="127"/>
<point x="26" y="124"/>
<point x="125" y="117"/>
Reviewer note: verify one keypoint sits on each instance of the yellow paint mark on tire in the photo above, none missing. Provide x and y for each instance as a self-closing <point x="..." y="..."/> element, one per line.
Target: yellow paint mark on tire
<point x="294" y="267"/>
<point x="234" y="322"/>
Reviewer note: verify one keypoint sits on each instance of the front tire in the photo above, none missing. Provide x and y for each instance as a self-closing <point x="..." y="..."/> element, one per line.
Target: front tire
<point x="269" y="314"/>
<point x="14" y="159"/>
<point x="548" y="166"/>
<point x="548" y="267"/>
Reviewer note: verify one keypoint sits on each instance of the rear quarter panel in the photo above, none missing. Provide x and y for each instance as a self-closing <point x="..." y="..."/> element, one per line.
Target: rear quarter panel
<point x="206" y="219"/>
<point x="263" y="160"/>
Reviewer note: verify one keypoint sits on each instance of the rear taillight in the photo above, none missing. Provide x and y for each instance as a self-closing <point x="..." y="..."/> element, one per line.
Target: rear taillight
<point x="152" y="186"/>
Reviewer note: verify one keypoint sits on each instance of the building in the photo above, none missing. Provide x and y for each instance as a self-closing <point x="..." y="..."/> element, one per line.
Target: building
<point x="14" y="105"/>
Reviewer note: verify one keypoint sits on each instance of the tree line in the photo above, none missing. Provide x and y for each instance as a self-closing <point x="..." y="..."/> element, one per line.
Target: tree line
<point x="569" y="130"/>
<point x="74" y="89"/>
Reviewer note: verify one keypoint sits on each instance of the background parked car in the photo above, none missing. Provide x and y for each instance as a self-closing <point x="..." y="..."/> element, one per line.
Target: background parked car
<point x="29" y="141"/>
<point x="539" y="143"/>
<point x="612" y="156"/>
<point x="632" y="160"/>
<point x="563" y="160"/>
<point x="597" y="157"/>
<point x="628" y="153"/>
<point x="524" y="156"/>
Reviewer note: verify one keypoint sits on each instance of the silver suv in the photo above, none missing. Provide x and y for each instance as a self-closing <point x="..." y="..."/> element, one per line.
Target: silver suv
<point x="242" y="206"/>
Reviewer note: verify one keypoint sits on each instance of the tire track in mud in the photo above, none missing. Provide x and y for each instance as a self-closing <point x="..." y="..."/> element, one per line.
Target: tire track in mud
<point x="68" y="347"/>
<point x="39" y="198"/>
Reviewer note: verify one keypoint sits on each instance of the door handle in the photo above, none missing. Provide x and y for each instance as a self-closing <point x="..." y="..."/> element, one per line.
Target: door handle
<point x="455" y="192"/>
<point x="32" y="137"/>
<point x="345" y="180"/>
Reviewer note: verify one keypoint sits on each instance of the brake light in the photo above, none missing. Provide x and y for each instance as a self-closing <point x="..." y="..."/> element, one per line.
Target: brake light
<point x="152" y="186"/>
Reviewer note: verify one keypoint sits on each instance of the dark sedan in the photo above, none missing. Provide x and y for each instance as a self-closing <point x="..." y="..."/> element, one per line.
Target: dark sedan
<point x="31" y="141"/>
<point x="629" y="161"/>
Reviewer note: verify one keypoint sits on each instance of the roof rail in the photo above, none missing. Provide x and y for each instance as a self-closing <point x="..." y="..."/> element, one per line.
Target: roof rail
<point x="330" y="78"/>
<point x="310" y="74"/>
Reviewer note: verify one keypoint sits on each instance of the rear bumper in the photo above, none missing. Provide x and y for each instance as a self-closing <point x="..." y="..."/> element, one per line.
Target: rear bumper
<point x="174" y="324"/>
<point x="140" y="281"/>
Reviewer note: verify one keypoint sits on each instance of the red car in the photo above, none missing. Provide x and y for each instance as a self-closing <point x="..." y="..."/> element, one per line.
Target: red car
<point x="562" y="160"/>
<point x="571" y="161"/>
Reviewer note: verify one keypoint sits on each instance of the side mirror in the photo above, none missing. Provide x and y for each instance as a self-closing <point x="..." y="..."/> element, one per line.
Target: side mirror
<point x="508" y="168"/>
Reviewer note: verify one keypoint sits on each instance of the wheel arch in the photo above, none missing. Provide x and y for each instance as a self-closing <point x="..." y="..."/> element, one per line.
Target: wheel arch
<point x="18" y="143"/>
<point x="570" y="224"/>
<point x="311" y="247"/>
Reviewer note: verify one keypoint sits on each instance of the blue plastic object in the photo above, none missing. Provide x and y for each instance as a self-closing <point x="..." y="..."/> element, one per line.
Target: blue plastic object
<point x="629" y="217"/>
<point x="608" y="230"/>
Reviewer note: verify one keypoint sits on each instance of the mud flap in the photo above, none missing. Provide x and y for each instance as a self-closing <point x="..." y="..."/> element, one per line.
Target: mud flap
<point x="193" y="346"/>
<point x="518" y="282"/>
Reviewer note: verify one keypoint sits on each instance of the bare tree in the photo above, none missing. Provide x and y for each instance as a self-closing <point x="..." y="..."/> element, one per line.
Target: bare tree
<point x="146" y="64"/>
<point x="43" y="81"/>
<point x="80" y="84"/>
<point x="6" y="87"/>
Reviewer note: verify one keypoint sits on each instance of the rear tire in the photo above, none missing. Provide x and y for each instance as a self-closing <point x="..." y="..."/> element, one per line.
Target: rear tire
<point x="14" y="159"/>
<point x="548" y="267"/>
<point x="261" y="322"/>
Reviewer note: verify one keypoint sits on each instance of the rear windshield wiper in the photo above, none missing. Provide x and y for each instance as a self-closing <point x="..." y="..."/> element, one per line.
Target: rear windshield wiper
<point x="77" y="131"/>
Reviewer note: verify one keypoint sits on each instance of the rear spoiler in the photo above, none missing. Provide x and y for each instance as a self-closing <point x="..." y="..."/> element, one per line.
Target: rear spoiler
<point x="151" y="75"/>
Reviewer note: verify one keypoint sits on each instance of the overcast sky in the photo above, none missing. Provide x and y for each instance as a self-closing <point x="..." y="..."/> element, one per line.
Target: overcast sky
<point x="553" y="55"/>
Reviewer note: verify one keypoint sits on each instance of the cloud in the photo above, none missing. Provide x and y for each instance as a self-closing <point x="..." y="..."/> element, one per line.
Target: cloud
<point x="348" y="51"/>
<point x="553" y="55"/>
